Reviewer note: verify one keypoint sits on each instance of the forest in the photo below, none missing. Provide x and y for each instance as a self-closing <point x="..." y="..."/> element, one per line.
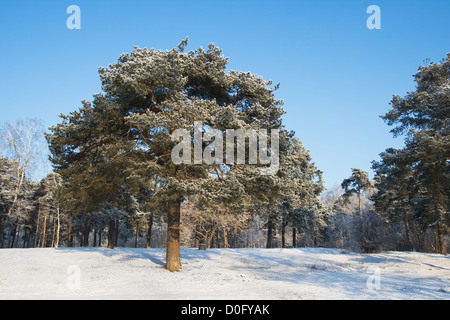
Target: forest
<point x="114" y="184"/>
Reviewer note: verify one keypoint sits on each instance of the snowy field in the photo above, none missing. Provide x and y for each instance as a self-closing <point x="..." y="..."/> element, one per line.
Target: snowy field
<point x="238" y="274"/>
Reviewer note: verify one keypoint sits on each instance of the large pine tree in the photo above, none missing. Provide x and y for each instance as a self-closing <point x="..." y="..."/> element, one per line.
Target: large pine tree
<point x="419" y="173"/>
<point x="125" y="133"/>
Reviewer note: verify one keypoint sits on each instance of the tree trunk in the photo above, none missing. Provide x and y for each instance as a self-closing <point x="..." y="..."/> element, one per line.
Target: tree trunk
<point x="37" y="226"/>
<point x="136" y="236"/>
<point x="197" y="236"/>
<point x="44" y="229"/>
<point x="2" y="227"/>
<point x="149" y="231"/>
<point x="269" y="233"/>
<point x="218" y="238"/>
<point x="225" y="238"/>
<point x="26" y="237"/>
<point x="69" y="232"/>
<point x="14" y="233"/>
<point x="360" y="202"/>
<point x="29" y="236"/>
<point x="283" y="233"/>
<point x="173" y="261"/>
<point x="116" y="234"/>
<point x="58" y="227"/>
<point x="94" y="243"/>
<point x="294" y="237"/>
<point x="441" y="242"/>
<point x="111" y="235"/>
<point x="87" y="231"/>
<point x="234" y="239"/>
<point x="408" y="234"/>
<point x="100" y="236"/>
<point x="53" y="233"/>
<point x="209" y="235"/>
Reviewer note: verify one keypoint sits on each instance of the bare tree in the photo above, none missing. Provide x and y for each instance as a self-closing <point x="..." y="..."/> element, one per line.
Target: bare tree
<point x="22" y="141"/>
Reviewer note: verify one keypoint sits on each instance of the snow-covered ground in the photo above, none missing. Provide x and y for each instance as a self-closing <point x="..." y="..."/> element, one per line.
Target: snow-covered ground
<point x="238" y="274"/>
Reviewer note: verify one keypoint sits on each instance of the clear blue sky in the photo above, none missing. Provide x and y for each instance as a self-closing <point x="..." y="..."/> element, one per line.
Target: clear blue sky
<point x="336" y="75"/>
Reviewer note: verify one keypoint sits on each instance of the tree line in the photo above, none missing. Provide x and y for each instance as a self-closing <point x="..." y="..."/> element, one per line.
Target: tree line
<point x="114" y="182"/>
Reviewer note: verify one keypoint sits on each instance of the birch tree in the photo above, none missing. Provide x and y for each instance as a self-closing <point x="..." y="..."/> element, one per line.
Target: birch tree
<point x="22" y="141"/>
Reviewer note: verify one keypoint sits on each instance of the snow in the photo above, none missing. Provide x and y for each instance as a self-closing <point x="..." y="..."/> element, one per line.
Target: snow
<point x="226" y="274"/>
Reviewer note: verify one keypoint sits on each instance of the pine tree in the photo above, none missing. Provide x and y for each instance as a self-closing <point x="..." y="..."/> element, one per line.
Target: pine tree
<point x="426" y="108"/>
<point x="421" y="169"/>
<point x="47" y="198"/>
<point x="396" y="186"/>
<point x="302" y="184"/>
<point x="427" y="152"/>
<point x="148" y="95"/>
<point x="356" y="183"/>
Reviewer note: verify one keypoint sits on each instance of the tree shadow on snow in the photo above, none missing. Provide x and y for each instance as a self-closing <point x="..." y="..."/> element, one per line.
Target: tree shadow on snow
<point x="155" y="255"/>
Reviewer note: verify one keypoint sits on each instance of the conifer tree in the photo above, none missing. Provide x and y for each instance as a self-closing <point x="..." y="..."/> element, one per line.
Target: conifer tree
<point x="148" y="94"/>
<point x="396" y="186"/>
<point x="47" y="198"/>
<point x="355" y="184"/>
<point x="301" y="184"/>
<point x="419" y="173"/>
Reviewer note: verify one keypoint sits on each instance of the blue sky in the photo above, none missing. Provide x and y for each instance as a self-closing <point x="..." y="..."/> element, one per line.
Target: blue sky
<point x="336" y="75"/>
